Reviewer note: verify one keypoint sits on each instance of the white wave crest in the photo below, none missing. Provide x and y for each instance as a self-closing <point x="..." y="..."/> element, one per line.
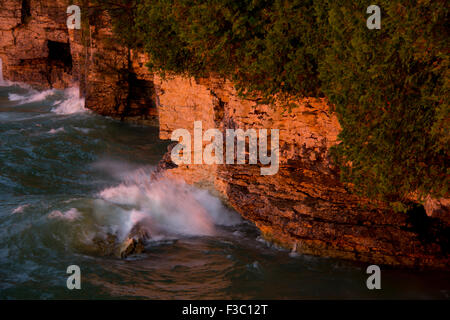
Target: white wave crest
<point x="20" y="208"/>
<point x="168" y="208"/>
<point x="69" y="215"/>
<point x="53" y="131"/>
<point x="33" y="96"/>
<point x="71" y="104"/>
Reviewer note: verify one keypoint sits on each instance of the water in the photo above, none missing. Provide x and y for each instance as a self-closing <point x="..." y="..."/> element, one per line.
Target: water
<point x="68" y="176"/>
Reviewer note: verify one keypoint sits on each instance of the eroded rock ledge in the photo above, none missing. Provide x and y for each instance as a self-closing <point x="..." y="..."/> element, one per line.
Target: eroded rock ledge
<point x="304" y="207"/>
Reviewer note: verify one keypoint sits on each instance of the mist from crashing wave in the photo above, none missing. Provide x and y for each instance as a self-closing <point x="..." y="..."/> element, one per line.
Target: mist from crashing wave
<point x="72" y="103"/>
<point x="166" y="208"/>
<point x="66" y="102"/>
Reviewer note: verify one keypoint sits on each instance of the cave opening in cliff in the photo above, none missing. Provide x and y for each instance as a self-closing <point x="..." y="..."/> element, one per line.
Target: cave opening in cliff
<point x="141" y="99"/>
<point x="25" y="12"/>
<point x="59" y="54"/>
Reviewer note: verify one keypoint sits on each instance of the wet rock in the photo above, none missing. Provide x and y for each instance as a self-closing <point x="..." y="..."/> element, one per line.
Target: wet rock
<point x="135" y="242"/>
<point x="105" y="246"/>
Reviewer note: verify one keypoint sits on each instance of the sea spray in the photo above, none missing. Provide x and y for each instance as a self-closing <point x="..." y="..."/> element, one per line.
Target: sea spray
<point x="54" y="131"/>
<point x="166" y="209"/>
<point x="32" y="96"/>
<point x="70" y="215"/>
<point x="72" y="103"/>
<point x="169" y="207"/>
<point x="69" y="103"/>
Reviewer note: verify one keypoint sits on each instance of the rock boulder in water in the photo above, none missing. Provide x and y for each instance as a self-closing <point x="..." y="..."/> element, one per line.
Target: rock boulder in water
<point x="134" y="243"/>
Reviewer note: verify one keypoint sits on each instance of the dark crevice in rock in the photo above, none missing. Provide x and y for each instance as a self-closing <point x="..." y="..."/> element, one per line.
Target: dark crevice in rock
<point x="429" y="230"/>
<point x="140" y="100"/>
<point x="219" y="109"/>
<point x="25" y="12"/>
<point x="59" y="55"/>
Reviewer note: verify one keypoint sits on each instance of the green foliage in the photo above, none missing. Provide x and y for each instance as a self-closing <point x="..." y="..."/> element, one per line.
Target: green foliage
<point x="390" y="87"/>
<point x="124" y="14"/>
<point x="265" y="47"/>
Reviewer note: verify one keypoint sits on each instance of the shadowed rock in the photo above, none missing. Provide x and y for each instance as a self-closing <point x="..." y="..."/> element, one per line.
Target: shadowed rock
<point x="134" y="243"/>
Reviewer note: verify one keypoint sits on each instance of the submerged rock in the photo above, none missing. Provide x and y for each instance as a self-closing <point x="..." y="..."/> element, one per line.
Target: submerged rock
<point x="134" y="243"/>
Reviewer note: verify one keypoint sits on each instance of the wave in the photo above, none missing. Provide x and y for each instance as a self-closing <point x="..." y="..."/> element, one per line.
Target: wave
<point x="167" y="207"/>
<point x="72" y="103"/>
<point x="20" y="208"/>
<point x="33" y="96"/>
<point x="164" y="207"/>
<point x="167" y="210"/>
<point x="53" y="131"/>
<point x="71" y="215"/>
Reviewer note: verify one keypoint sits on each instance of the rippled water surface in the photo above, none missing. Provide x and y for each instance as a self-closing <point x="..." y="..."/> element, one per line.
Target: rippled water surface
<point x="68" y="176"/>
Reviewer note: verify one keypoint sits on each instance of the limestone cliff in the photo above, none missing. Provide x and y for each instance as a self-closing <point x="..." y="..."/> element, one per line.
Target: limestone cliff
<point x="303" y="207"/>
<point x="34" y="42"/>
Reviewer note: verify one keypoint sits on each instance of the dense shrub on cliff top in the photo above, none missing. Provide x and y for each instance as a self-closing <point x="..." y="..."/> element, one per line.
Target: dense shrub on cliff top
<point x="264" y="46"/>
<point x="390" y="87"/>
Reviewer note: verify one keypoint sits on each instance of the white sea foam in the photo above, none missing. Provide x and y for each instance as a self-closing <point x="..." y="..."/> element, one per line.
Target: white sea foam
<point x="69" y="215"/>
<point x="166" y="207"/>
<point x="20" y="208"/>
<point x="53" y="131"/>
<point x="83" y="130"/>
<point x="32" y="96"/>
<point x="71" y="104"/>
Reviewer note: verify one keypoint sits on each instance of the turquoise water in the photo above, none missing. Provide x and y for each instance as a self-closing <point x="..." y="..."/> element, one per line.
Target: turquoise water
<point x="68" y="176"/>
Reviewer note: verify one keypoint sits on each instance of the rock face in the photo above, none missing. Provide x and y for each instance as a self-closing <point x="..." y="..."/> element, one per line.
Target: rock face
<point x="114" y="80"/>
<point x="34" y="42"/>
<point x="37" y="48"/>
<point x="303" y="207"/>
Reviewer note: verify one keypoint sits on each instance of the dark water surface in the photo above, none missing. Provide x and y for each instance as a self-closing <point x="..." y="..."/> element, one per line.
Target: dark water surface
<point x="68" y="176"/>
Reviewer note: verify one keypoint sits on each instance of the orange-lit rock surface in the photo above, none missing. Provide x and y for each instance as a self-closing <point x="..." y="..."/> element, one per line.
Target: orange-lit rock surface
<point x="303" y="207"/>
<point x="34" y="42"/>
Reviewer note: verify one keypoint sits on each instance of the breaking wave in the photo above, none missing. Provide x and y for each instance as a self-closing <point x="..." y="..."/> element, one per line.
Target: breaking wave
<point x="71" y="104"/>
<point x="64" y="102"/>
<point x="54" y="131"/>
<point x="33" y="96"/>
<point x="167" y="207"/>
